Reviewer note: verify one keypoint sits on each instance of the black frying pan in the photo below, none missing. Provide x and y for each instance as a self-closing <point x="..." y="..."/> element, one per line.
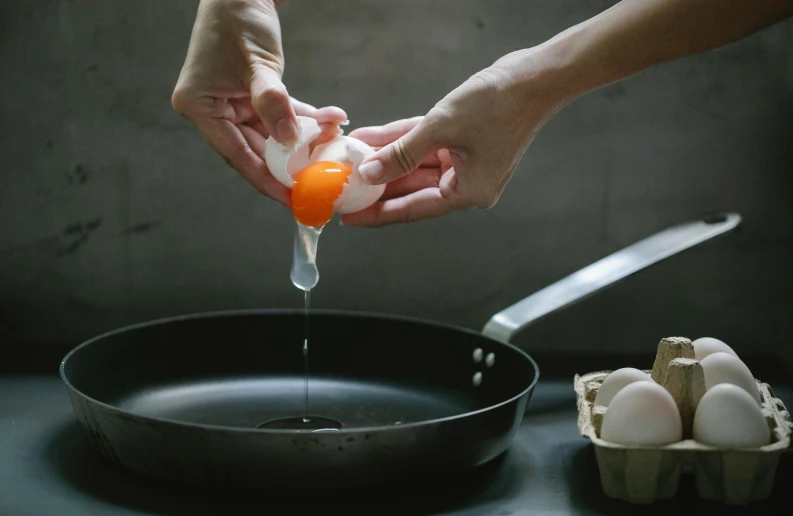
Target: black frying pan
<point x="180" y="399"/>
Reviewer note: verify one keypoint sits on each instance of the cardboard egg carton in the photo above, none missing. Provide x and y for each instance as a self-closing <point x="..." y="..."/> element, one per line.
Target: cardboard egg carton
<point x="643" y="474"/>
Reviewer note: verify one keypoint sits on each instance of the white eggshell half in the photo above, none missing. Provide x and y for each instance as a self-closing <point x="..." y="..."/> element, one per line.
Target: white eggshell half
<point x="728" y="417"/>
<point x="642" y="414"/>
<point x="333" y="150"/>
<point x="285" y="161"/>
<point x="708" y="345"/>
<point x="615" y="381"/>
<point x="721" y="367"/>
<point x="357" y="194"/>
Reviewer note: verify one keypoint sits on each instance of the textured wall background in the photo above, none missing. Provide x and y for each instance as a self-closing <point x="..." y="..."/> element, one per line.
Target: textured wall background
<point x="113" y="210"/>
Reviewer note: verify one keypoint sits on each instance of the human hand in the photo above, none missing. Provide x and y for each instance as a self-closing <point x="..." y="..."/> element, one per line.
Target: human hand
<point x="464" y="151"/>
<point x="230" y="88"/>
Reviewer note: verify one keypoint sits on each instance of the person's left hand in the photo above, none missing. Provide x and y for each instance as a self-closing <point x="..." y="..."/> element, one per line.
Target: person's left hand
<point x="464" y="151"/>
<point x="230" y="87"/>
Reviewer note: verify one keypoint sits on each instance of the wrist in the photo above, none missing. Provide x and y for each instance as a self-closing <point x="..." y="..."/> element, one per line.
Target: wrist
<point x="571" y="71"/>
<point x="541" y="76"/>
<point x="578" y="61"/>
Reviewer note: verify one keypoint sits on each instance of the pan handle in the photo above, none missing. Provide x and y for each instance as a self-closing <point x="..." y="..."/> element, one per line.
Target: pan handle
<point x="605" y="272"/>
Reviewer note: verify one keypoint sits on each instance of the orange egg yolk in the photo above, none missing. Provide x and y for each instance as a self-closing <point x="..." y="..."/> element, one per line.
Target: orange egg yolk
<point x="315" y="189"/>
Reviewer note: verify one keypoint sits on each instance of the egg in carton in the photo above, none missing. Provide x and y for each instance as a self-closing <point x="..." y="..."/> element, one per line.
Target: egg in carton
<point x="642" y="473"/>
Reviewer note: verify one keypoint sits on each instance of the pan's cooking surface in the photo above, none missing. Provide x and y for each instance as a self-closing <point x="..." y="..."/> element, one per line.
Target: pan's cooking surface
<point x="247" y="402"/>
<point x="181" y="399"/>
<point x="240" y="371"/>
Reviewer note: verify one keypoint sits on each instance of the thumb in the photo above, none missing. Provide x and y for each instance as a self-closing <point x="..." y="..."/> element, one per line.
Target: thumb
<point x="271" y="102"/>
<point x="401" y="156"/>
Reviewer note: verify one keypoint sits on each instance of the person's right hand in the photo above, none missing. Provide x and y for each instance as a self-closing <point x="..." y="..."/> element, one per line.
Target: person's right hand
<point x="230" y="88"/>
<point x="464" y="151"/>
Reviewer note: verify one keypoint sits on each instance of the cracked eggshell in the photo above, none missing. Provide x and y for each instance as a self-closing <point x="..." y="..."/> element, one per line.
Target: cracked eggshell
<point x="332" y="150"/>
<point x="357" y="194"/>
<point x="285" y="161"/>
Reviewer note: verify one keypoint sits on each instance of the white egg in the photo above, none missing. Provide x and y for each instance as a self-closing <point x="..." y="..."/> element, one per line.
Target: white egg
<point x="615" y="381"/>
<point x="721" y="367"/>
<point x="642" y="414"/>
<point x="286" y="161"/>
<point x="728" y="417"/>
<point x="705" y="346"/>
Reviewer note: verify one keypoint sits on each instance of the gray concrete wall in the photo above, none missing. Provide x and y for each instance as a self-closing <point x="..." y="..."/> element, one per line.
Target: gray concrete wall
<point x="113" y="210"/>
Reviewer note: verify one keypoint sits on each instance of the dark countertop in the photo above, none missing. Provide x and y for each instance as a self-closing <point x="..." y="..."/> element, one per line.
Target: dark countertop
<point x="46" y="467"/>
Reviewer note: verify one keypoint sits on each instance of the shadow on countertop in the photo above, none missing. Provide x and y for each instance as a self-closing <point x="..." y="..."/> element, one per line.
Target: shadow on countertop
<point x="84" y="470"/>
<point x="72" y="459"/>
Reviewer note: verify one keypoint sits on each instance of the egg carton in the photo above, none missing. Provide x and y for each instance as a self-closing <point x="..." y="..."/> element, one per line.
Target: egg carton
<point x="644" y="474"/>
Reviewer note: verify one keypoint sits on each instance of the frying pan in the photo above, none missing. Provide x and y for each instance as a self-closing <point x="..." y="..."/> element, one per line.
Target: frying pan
<point x="180" y="399"/>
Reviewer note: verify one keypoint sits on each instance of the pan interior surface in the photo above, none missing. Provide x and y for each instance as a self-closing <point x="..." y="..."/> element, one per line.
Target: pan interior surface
<point x="247" y="402"/>
<point x="242" y="369"/>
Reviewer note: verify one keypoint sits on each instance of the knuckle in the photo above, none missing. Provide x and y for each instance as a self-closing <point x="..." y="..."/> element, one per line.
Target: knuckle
<point x="269" y="96"/>
<point x="488" y="79"/>
<point x="435" y="177"/>
<point x="180" y="100"/>
<point x="469" y="203"/>
<point x="377" y="214"/>
<point x="409" y="215"/>
<point x="401" y="154"/>
<point x="439" y="121"/>
<point x="237" y="5"/>
<point x="487" y="200"/>
<point x="439" y="125"/>
<point x="482" y="199"/>
<point x="237" y="156"/>
<point x="263" y="190"/>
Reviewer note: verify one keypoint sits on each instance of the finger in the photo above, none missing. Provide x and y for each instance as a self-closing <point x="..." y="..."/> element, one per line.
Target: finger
<point x="240" y="111"/>
<point x="258" y="126"/>
<point x="327" y="133"/>
<point x="419" y="179"/>
<point x="331" y="115"/>
<point x="403" y="155"/>
<point x="228" y="140"/>
<point x="324" y="115"/>
<point x="272" y="103"/>
<point x="382" y="135"/>
<point x="421" y="205"/>
<point x="431" y="161"/>
<point x="255" y="139"/>
<point x="301" y="108"/>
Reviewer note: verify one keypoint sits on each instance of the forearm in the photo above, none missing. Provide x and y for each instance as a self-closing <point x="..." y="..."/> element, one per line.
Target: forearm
<point x="634" y="35"/>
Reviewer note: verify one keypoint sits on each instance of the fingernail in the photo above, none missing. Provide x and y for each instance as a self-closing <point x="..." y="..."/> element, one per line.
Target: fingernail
<point x="285" y="131"/>
<point x="346" y="122"/>
<point x="372" y="172"/>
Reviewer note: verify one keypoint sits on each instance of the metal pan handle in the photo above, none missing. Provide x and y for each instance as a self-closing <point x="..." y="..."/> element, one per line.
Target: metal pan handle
<point x="606" y="272"/>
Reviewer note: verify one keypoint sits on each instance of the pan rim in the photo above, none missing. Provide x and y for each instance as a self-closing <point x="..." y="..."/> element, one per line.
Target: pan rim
<point x="292" y="311"/>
